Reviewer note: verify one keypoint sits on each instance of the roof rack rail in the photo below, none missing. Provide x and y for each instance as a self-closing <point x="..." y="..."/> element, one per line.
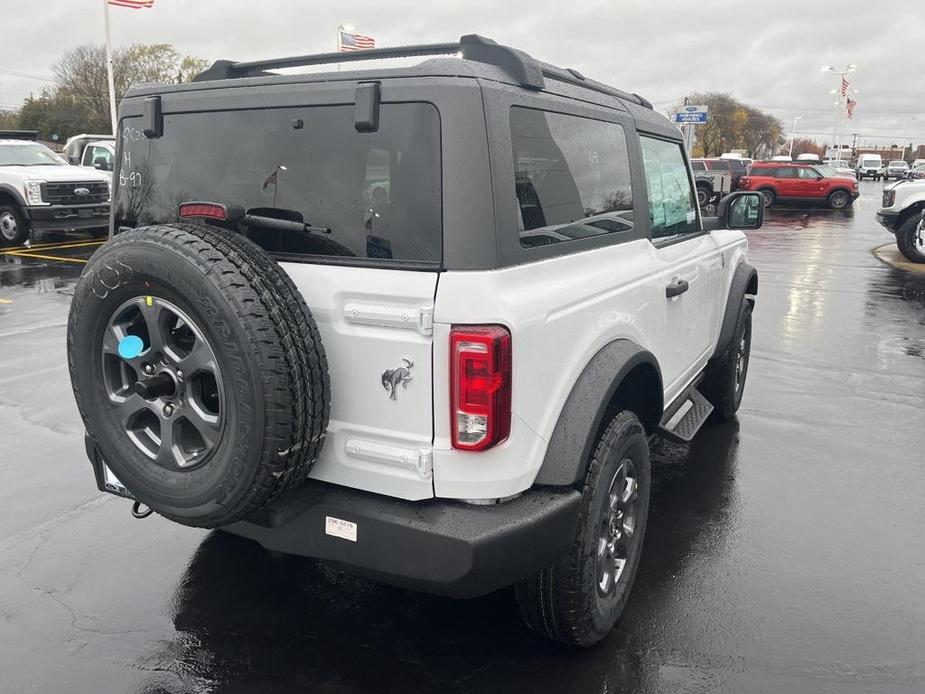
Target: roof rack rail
<point x="525" y="70"/>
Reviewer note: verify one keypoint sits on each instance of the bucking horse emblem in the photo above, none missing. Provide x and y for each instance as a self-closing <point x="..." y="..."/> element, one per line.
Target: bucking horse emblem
<point x="392" y="378"/>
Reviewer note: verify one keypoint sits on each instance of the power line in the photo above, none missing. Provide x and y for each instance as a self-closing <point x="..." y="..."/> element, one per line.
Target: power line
<point x="27" y="76"/>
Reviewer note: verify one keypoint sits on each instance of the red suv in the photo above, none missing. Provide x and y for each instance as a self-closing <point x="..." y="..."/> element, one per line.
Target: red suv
<point x="783" y="181"/>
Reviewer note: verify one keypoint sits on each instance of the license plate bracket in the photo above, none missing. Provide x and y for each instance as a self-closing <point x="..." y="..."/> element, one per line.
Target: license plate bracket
<point x="106" y="480"/>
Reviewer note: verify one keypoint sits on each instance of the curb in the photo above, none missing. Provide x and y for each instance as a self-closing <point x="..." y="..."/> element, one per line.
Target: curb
<point x="890" y="255"/>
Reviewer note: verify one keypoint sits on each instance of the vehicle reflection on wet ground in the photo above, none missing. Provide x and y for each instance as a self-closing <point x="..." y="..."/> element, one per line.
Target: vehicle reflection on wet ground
<point x="784" y="551"/>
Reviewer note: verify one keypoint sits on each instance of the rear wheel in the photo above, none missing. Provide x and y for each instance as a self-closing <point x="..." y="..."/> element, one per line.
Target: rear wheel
<point x="769" y="196"/>
<point x="910" y="239"/>
<point x="579" y="599"/>
<point x="839" y="200"/>
<point x="13" y="228"/>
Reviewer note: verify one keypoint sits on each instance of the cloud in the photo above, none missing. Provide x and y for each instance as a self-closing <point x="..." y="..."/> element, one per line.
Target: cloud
<point x="767" y="55"/>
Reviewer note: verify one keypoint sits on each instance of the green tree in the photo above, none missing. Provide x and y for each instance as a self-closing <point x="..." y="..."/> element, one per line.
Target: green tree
<point x="53" y="113"/>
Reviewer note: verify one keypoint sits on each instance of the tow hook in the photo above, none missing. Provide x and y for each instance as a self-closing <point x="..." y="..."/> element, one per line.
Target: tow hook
<point x="137" y="511"/>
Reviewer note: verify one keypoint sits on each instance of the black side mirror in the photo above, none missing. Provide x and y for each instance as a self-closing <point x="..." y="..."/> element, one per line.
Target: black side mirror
<point x="743" y="209"/>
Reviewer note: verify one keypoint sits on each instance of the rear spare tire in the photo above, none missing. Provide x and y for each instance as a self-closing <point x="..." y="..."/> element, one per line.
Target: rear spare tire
<point x="198" y="371"/>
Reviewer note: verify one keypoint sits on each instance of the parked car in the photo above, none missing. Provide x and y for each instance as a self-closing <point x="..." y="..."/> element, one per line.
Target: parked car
<point x="916" y="172"/>
<point x="40" y="191"/>
<point x="896" y="169"/>
<point x="781" y="182"/>
<point x="902" y="212"/>
<point x="839" y="168"/>
<point x="735" y="167"/>
<point x="711" y="185"/>
<point x="869" y="166"/>
<point x="423" y="394"/>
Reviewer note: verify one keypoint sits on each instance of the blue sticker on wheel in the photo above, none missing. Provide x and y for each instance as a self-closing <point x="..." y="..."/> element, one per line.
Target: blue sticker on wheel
<point x="131" y="346"/>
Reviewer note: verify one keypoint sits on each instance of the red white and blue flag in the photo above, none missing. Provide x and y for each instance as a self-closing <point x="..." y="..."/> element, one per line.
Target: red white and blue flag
<point x="134" y="4"/>
<point x="348" y="42"/>
<point x="844" y="83"/>
<point x="850" y="107"/>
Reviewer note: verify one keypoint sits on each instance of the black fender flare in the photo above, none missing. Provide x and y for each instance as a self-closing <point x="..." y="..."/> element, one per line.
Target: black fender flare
<point x="575" y="434"/>
<point x="15" y="194"/>
<point x="744" y="281"/>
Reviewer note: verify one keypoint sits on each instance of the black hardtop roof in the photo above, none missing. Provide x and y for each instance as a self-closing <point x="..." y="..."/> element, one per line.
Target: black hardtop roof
<point x="480" y="57"/>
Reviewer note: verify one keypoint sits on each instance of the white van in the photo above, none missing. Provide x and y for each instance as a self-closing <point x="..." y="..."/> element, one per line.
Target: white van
<point x="869" y="165"/>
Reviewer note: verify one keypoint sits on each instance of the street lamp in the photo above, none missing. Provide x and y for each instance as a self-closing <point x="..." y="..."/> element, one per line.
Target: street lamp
<point x="793" y="134"/>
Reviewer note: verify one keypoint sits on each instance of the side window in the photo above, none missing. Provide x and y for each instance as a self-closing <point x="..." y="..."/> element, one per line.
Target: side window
<point x="571" y="177"/>
<point x="101" y="153"/>
<point x="672" y="205"/>
<point x="787" y="172"/>
<point x="807" y="172"/>
<point x="698" y="166"/>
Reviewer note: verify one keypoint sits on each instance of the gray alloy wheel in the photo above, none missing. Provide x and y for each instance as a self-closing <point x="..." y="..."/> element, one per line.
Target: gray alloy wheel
<point x="838" y="200"/>
<point x="167" y="392"/>
<point x="616" y="533"/>
<point x="768" y="196"/>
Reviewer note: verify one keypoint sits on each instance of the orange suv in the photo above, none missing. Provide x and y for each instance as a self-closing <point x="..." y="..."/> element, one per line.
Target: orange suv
<point x="789" y="182"/>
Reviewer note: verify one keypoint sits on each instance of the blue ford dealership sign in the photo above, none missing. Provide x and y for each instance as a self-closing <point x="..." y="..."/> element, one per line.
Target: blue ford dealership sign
<point x="691" y="114"/>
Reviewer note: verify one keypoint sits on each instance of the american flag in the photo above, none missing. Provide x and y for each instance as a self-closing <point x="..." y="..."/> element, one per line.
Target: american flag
<point x="352" y="42"/>
<point x="844" y="83"/>
<point x="134" y="4"/>
<point x="851" y="104"/>
<point x="271" y="180"/>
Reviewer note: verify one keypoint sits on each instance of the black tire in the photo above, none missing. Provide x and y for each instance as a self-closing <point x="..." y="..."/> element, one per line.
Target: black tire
<point x="910" y="238"/>
<point x="564" y="601"/>
<point x="769" y="196"/>
<point x="703" y="195"/>
<point x="14" y="229"/>
<point x="266" y="347"/>
<point x="724" y="383"/>
<point x="839" y="200"/>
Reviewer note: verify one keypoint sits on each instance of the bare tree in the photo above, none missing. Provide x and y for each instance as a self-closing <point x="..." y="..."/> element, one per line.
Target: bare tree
<point x="81" y="74"/>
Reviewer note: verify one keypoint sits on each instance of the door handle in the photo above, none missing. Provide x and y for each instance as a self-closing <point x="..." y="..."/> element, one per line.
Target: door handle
<point x="676" y="288"/>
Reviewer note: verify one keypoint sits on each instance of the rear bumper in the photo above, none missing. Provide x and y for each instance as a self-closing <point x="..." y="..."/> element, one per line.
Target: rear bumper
<point x="60" y="217"/>
<point x="438" y="546"/>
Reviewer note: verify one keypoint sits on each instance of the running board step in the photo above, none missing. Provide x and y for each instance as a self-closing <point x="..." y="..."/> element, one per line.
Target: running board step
<point x="684" y="423"/>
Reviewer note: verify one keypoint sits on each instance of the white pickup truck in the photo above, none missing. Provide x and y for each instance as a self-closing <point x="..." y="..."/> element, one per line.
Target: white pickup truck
<point x="40" y="191"/>
<point x="903" y="213"/>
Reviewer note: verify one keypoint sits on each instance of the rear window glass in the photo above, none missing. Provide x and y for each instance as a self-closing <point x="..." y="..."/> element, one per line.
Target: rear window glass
<point x="698" y="166"/>
<point x="367" y="195"/>
<point x="571" y="176"/>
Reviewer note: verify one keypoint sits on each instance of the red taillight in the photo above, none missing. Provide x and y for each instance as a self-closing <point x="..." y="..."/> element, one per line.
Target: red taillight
<point x="744" y="181"/>
<point x="209" y="210"/>
<point x="480" y="385"/>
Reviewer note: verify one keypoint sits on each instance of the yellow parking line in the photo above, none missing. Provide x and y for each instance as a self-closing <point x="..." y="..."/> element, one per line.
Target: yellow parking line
<point x="49" y="247"/>
<point x="26" y="254"/>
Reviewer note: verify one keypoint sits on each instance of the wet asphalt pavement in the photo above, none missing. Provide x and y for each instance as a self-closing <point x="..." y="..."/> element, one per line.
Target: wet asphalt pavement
<point x="785" y="552"/>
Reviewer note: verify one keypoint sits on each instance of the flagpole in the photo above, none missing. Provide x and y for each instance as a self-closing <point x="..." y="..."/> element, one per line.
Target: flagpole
<point x="112" y="85"/>
<point x="340" y="28"/>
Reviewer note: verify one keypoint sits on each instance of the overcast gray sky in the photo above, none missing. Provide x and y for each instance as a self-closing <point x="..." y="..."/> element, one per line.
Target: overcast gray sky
<point x="767" y="54"/>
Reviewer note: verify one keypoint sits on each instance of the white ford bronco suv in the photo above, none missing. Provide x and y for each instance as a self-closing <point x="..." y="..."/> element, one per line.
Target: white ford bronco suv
<point x="902" y="212"/>
<point x="40" y="191"/>
<point x="418" y="322"/>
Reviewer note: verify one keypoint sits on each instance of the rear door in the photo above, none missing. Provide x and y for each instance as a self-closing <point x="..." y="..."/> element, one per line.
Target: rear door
<point x="367" y="264"/>
<point x="689" y="263"/>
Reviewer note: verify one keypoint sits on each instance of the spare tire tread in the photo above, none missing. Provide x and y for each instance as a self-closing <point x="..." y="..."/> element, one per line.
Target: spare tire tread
<point x="295" y="408"/>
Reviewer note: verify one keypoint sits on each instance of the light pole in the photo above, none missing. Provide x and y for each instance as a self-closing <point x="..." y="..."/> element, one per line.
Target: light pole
<point x="793" y="134"/>
<point x="842" y="103"/>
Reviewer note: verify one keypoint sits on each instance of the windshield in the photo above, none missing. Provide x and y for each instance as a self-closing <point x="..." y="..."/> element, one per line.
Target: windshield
<point x="31" y="154"/>
<point x="898" y="164"/>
